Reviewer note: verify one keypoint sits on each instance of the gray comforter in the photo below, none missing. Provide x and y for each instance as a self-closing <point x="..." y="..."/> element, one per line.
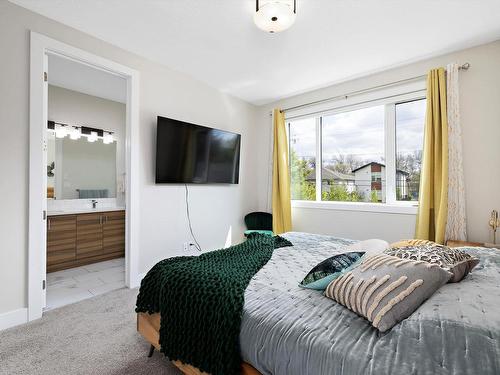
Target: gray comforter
<point x="290" y="330"/>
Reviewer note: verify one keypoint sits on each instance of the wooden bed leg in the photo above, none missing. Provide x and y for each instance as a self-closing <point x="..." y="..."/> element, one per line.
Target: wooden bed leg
<point x="151" y="351"/>
<point x="148" y="325"/>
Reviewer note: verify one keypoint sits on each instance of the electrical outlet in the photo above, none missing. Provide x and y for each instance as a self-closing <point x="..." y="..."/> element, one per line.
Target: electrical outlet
<point x="188" y="247"/>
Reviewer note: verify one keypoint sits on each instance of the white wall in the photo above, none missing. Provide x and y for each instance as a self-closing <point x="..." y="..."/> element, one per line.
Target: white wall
<point x="216" y="210"/>
<point x="353" y="224"/>
<point x="74" y="108"/>
<point x="87" y="80"/>
<point x="480" y="108"/>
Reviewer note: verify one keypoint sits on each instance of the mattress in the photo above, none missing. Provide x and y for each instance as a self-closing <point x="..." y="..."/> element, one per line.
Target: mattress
<point x="290" y="330"/>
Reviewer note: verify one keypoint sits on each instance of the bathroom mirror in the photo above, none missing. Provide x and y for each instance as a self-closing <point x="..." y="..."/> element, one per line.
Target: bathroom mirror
<point x="79" y="169"/>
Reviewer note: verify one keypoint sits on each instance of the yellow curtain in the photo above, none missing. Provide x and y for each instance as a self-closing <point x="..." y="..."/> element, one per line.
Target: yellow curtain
<point x="433" y="197"/>
<point x="282" y="216"/>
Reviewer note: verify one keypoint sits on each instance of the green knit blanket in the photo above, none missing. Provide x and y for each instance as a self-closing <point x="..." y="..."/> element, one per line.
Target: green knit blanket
<point x="200" y="299"/>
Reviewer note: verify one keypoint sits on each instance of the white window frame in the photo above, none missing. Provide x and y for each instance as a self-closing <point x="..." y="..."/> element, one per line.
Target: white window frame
<point x="389" y="98"/>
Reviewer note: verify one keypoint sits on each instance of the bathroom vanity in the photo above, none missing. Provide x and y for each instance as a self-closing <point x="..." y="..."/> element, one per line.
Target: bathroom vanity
<point x="79" y="237"/>
<point x="85" y="190"/>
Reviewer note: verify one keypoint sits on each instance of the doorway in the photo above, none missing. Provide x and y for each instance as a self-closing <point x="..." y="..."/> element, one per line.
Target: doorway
<point x="85" y="155"/>
<point x="45" y="51"/>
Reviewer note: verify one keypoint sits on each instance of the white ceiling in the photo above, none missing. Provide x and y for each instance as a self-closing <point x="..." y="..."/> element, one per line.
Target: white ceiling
<point x="216" y="41"/>
<point x="85" y="79"/>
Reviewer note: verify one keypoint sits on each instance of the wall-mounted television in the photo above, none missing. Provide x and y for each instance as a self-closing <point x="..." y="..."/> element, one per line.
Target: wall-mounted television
<point x="189" y="153"/>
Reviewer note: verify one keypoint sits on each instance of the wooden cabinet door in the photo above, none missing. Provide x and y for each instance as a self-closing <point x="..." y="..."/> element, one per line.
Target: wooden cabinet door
<point x="61" y="240"/>
<point x="114" y="233"/>
<point x="88" y="235"/>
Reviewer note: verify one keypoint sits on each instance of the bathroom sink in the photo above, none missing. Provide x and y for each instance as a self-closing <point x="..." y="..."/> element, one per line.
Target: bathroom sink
<point x="83" y="210"/>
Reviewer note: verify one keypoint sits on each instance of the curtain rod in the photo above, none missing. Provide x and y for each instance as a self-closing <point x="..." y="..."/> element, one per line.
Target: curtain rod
<point x="364" y="91"/>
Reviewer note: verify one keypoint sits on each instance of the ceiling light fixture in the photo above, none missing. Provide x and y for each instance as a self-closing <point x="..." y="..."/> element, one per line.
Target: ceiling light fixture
<point x="274" y="16"/>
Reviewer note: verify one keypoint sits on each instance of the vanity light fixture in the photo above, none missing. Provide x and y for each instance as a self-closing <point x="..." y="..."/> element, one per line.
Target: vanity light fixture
<point x="76" y="132"/>
<point x="274" y="16"/>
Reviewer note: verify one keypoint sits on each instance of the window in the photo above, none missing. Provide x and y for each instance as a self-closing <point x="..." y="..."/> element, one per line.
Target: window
<point x="302" y="148"/>
<point x="352" y="153"/>
<point x="410" y="118"/>
<point x="368" y="154"/>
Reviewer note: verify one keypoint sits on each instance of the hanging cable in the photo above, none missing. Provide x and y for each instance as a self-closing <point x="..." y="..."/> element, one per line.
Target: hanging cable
<point x="196" y="244"/>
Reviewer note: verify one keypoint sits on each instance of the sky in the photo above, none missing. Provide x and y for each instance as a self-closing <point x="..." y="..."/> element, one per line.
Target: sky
<point x="360" y="132"/>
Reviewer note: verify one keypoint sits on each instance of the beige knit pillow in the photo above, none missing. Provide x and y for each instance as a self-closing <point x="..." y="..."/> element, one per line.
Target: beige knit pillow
<point x="413" y="242"/>
<point x="385" y="289"/>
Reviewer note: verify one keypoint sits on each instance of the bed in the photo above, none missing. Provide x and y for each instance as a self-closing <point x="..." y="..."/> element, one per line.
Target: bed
<point x="290" y="330"/>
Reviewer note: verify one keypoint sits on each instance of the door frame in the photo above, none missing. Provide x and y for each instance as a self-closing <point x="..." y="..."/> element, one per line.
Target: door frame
<point x="40" y="47"/>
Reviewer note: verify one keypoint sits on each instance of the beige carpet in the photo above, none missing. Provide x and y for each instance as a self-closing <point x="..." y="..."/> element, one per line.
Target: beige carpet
<point x="95" y="336"/>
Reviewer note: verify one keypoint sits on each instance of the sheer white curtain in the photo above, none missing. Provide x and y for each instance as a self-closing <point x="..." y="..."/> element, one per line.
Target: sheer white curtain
<point x="456" y="222"/>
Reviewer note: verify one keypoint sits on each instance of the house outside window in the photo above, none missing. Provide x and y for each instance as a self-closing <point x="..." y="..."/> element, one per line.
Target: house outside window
<point x="369" y="154"/>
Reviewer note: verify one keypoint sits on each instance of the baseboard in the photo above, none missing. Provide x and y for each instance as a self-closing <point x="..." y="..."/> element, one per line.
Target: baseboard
<point x="140" y="277"/>
<point x="13" y="318"/>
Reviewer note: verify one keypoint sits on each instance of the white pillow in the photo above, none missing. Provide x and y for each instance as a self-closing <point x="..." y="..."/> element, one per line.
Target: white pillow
<point x="370" y="247"/>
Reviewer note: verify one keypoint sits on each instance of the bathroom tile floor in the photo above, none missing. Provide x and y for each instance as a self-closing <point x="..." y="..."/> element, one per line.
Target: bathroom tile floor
<point x="75" y="284"/>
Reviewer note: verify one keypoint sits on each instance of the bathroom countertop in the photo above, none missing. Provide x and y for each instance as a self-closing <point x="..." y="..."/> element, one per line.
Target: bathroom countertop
<point x="83" y="211"/>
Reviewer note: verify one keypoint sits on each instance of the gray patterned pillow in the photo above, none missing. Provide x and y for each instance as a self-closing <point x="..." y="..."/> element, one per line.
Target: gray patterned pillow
<point x="458" y="262"/>
<point x="385" y="289"/>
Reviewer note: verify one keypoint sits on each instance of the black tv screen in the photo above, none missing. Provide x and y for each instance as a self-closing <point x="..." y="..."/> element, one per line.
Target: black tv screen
<point x="188" y="153"/>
